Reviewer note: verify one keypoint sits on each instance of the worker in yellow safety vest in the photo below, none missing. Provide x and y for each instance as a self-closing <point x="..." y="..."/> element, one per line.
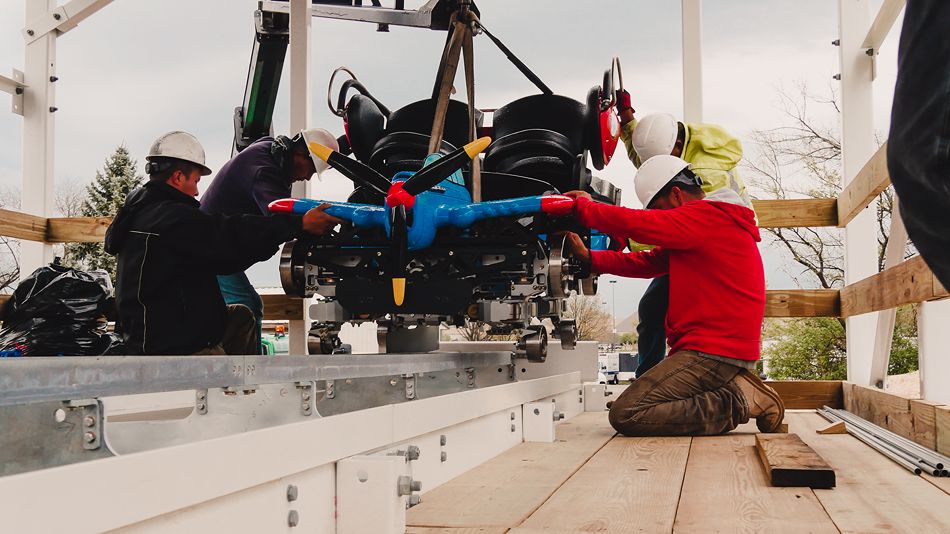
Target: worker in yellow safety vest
<point x="713" y="155"/>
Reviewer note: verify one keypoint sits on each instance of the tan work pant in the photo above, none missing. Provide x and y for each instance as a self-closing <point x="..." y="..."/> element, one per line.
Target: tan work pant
<point x="683" y="395"/>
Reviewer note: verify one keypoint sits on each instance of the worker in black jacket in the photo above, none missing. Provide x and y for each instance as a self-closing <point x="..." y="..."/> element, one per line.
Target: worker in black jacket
<point x="170" y="253"/>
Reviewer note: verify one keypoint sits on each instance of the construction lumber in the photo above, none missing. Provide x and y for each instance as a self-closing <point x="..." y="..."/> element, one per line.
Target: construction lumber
<point x="864" y="188"/>
<point x="942" y="428"/>
<point x="908" y="282"/>
<point x="808" y="394"/>
<point x="915" y="419"/>
<point x="834" y="428"/>
<point x="802" y="303"/>
<point x="726" y="490"/>
<point x="598" y="497"/>
<point x="77" y="229"/>
<point x="789" y="462"/>
<point x="796" y="212"/>
<point x="502" y="492"/>
<point x="282" y="307"/>
<point x="860" y="502"/>
<point x="22" y="225"/>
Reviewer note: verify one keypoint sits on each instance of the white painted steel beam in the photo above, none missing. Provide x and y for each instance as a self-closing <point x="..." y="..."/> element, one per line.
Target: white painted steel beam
<point x="857" y="135"/>
<point x="692" y="60"/>
<point x="884" y="335"/>
<point x="16" y="88"/>
<point x="59" y="20"/>
<point x="883" y="22"/>
<point x="39" y="103"/>
<point x="933" y="344"/>
<point x="300" y="108"/>
<point x="193" y="474"/>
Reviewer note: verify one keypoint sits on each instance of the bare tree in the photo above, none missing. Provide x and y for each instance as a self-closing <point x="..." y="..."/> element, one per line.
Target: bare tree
<point x="70" y="196"/>
<point x="9" y="248"/>
<point x="593" y="322"/>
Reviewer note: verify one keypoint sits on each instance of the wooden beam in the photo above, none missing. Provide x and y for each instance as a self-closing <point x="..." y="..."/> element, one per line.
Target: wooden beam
<point x="797" y="212"/>
<point x="282" y="307"/>
<point x="22" y="225"/>
<point x="808" y="394"/>
<point x="864" y="188"/>
<point x="802" y="303"/>
<point x="834" y="428"/>
<point x="908" y="282"/>
<point x="77" y="229"/>
<point x="789" y="462"/>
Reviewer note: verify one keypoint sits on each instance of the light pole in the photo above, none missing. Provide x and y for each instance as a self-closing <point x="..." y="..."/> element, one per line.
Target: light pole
<point x="613" y="309"/>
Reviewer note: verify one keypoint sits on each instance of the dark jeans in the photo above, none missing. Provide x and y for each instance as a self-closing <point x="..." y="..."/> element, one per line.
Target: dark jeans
<point x="651" y="331"/>
<point x="684" y="395"/>
<point x="918" y="148"/>
<point x="237" y="289"/>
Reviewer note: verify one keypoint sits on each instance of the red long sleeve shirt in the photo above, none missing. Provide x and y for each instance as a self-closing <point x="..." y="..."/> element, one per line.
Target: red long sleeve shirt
<point x="708" y="247"/>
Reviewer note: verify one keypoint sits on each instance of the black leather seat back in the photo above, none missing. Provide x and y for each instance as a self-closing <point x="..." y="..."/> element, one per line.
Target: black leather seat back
<point x="402" y="151"/>
<point x="364" y="126"/>
<point x="417" y="118"/>
<point x="560" y="114"/>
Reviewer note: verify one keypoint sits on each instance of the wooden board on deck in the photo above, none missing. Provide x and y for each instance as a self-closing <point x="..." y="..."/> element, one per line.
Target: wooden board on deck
<point x="505" y="490"/>
<point x="789" y="462"/>
<point x="631" y="485"/>
<point x="796" y="212"/>
<point x="808" y="394"/>
<point x="726" y="490"/>
<point x="873" y="494"/>
<point x="440" y="530"/>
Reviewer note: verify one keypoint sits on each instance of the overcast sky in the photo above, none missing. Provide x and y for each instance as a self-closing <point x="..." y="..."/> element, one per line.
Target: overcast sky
<point x="137" y="69"/>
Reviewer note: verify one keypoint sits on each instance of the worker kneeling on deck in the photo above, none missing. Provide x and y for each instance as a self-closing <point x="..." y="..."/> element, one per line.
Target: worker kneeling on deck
<point x="708" y="246"/>
<point x="169" y="255"/>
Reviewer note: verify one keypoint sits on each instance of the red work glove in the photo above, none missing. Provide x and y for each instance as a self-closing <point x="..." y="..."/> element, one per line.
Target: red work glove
<point x="623" y="101"/>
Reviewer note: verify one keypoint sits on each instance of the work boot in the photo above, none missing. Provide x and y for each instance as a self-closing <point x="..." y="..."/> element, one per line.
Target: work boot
<point x="765" y="404"/>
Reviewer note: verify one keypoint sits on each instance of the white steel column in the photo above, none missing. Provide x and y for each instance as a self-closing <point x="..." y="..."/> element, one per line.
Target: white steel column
<point x="857" y="135"/>
<point x="933" y="344"/>
<point x="38" y="102"/>
<point x="299" y="119"/>
<point x="692" y="60"/>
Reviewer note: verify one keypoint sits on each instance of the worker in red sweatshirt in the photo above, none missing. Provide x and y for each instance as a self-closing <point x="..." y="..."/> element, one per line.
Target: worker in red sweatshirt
<point x="708" y="246"/>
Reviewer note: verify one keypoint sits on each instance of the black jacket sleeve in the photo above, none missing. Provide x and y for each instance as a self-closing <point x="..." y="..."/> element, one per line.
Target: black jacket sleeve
<point x="229" y="243"/>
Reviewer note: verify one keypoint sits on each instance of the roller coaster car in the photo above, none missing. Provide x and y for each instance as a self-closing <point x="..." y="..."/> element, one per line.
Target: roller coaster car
<point x="417" y="251"/>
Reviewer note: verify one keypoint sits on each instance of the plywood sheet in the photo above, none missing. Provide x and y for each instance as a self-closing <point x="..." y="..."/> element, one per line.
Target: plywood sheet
<point x="505" y="490"/>
<point x="631" y="485"/>
<point x="873" y="494"/>
<point x="726" y="490"/>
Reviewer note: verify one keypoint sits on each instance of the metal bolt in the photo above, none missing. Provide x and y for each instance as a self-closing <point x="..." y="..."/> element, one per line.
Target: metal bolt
<point x="291" y="493"/>
<point x="415" y="485"/>
<point x="444" y="456"/>
<point x="442" y="440"/>
<point x="53" y="109"/>
<point x="89" y="437"/>
<point x="89" y="421"/>
<point x="293" y="518"/>
<point x="837" y="76"/>
<point x="524" y="252"/>
<point x="379" y="254"/>
<point x="305" y="396"/>
<point x="19" y="90"/>
<point x="836" y="42"/>
<point x="202" y="396"/>
<point x="201" y="406"/>
<point x="451" y="253"/>
<point x="57" y="16"/>
<point x="414" y="500"/>
<point x="537" y="411"/>
<point x="53" y="79"/>
<point x="306" y="406"/>
<point x="413" y="452"/>
<point x="512" y="416"/>
<point x="512" y="428"/>
<point x="30" y="32"/>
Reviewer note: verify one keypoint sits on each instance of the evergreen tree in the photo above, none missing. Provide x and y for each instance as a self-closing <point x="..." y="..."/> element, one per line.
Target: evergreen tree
<point x="104" y="196"/>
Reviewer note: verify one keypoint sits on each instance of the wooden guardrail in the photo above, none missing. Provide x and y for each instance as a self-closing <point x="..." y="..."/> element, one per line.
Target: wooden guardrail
<point x="908" y="282"/>
<point x="870" y="182"/>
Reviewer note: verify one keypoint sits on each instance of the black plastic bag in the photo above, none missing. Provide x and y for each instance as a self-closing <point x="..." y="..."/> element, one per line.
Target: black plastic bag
<point x="58" y="311"/>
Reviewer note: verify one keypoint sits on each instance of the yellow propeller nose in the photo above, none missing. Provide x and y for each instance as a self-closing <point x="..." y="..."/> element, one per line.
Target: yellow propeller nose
<point x="322" y="152"/>
<point x="399" y="290"/>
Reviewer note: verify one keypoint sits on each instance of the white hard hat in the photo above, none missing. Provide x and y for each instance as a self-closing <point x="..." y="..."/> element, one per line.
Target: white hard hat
<point x="654" y="174"/>
<point x="179" y="145"/>
<point x="655" y="135"/>
<point x="325" y="138"/>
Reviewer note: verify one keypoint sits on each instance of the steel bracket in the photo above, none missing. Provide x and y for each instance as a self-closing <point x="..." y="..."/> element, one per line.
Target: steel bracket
<point x="410" y="386"/>
<point x="331" y="391"/>
<point x="306" y="396"/>
<point x="91" y="410"/>
<point x="201" y="401"/>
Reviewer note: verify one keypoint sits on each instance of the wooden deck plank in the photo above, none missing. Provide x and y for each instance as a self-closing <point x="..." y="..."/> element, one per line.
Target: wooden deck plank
<point x="726" y="490"/>
<point x="504" y="491"/>
<point x="808" y="394"/>
<point x="873" y="494"/>
<point x="631" y="485"/>
<point x="438" y="530"/>
<point x="789" y="462"/>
